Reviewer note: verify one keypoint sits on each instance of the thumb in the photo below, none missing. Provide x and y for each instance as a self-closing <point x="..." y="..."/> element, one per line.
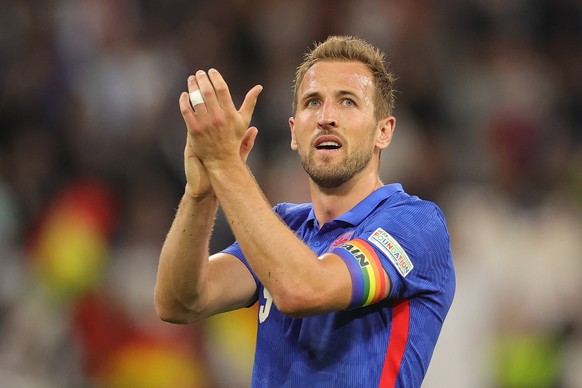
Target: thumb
<point x="248" y="141"/>
<point x="249" y="103"/>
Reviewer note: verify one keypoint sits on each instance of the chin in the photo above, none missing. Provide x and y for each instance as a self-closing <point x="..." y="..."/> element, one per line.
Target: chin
<point x="329" y="181"/>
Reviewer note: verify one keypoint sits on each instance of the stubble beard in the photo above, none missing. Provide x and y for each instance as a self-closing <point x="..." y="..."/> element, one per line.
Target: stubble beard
<point x="328" y="175"/>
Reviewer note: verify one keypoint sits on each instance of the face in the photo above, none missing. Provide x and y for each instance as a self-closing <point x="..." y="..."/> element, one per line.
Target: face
<point x="335" y="130"/>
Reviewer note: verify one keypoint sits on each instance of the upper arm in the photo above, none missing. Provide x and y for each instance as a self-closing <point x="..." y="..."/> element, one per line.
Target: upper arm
<point x="230" y="284"/>
<point x="416" y="255"/>
<point x="226" y="284"/>
<point x="368" y="282"/>
<point x="335" y="282"/>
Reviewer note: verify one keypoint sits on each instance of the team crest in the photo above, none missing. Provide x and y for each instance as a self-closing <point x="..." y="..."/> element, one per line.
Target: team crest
<point x="342" y="239"/>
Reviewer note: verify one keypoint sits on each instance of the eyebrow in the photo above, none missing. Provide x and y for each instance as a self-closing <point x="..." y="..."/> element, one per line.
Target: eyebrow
<point x="339" y="93"/>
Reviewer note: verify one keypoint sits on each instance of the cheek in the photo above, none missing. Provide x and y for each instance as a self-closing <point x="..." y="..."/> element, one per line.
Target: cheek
<point x="303" y="119"/>
<point x="300" y="130"/>
<point x="301" y="142"/>
<point x="366" y="139"/>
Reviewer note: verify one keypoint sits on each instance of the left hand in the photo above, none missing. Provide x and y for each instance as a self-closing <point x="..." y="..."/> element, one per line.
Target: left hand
<point x="216" y="128"/>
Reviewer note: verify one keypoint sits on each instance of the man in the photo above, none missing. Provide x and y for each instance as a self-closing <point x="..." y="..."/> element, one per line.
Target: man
<point x="352" y="288"/>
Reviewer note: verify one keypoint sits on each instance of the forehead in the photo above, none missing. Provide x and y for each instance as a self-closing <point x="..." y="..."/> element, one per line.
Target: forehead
<point x="337" y="75"/>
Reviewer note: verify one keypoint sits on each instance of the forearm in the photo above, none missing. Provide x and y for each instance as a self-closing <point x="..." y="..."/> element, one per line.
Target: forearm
<point x="220" y="139"/>
<point x="183" y="266"/>
<point x="287" y="267"/>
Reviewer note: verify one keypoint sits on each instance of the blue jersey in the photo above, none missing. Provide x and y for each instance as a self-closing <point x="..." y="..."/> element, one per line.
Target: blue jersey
<point x="389" y="343"/>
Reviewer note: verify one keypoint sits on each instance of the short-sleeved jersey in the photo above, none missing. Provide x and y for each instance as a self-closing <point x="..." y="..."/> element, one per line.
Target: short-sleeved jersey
<point x="389" y="343"/>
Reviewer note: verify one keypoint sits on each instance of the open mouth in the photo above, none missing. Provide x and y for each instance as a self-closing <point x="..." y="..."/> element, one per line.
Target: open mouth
<point x="328" y="142"/>
<point x="328" y="145"/>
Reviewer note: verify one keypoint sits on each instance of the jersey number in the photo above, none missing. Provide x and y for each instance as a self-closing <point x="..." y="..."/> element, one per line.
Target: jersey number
<point x="266" y="308"/>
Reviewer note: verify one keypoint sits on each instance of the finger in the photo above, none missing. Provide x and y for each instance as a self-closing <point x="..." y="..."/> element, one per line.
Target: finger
<point x="221" y="88"/>
<point x="196" y="98"/>
<point x="248" y="142"/>
<point x="198" y="104"/>
<point x="249" y="103"/>
<point x="185" y="108"/>
<point x="207" y="90"/>
<point x="188" y="114"/>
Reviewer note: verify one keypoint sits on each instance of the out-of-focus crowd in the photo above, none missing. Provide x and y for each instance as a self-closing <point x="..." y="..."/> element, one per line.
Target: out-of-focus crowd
<point x="489" y="112"/>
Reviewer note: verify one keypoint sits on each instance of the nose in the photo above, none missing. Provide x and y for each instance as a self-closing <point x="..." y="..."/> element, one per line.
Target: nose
<point x="327" y="116"/>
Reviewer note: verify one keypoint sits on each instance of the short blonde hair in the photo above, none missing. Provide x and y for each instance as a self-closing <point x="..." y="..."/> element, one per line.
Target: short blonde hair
<point x="348" y="49"/>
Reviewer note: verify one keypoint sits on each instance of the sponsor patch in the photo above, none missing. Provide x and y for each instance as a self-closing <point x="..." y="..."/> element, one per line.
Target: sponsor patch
<point x="387" y="244"/>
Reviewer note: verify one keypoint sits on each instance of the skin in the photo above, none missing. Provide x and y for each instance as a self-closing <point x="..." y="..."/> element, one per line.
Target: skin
<point x="337" y="98"/>
<point x="335" y="103"/>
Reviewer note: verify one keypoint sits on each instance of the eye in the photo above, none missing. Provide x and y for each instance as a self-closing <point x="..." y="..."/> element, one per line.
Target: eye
<point x="312" y="103"/>
<point x="349" y="102"/>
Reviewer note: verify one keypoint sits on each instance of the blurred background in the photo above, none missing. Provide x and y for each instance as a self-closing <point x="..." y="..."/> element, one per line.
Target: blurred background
<point x="489" y="110"/>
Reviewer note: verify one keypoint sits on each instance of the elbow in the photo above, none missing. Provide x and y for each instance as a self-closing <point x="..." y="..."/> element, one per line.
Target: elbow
<point x="172" y="311"/>
<point x="169" y="315"/>
<point x="311" y="298"/>
<point x="298" y="304"/>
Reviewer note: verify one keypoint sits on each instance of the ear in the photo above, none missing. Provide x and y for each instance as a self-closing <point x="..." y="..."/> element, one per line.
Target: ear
<point x="292" y="128"/>
<point x="386" y="128"/>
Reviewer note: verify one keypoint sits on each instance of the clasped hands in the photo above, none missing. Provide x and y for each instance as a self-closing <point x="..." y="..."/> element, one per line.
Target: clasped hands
<point x="217" y="133"/>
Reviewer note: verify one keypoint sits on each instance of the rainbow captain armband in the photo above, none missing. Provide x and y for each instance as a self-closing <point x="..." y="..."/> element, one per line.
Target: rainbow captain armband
<point x="368" y="276"/>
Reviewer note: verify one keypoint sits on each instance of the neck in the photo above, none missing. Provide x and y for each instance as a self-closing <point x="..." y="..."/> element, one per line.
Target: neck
<point x="330" y="203"/>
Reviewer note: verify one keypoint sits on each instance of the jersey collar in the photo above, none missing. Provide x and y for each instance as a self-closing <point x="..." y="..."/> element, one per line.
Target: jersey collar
<point x="359" y="212"/>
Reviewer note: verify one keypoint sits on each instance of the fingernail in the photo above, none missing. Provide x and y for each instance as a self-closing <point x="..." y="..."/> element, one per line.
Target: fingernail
<point x="200" y="72"/>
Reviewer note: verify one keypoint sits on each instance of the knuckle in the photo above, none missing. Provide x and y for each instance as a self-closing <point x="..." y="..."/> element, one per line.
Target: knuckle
<point x="206" y="94"/>
<point x="193" y="128"/>
<point x="221" y="89"/>
<point x="217" y="120"/>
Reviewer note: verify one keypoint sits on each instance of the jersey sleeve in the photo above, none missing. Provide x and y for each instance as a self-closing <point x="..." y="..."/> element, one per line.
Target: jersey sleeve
<point x="235" y="250"/>
<point x="413" y="245"/>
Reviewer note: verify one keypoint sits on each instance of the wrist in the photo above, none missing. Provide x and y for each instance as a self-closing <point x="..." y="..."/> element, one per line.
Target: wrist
<point x="191" y="193"/>
<point x="224" y="166"/>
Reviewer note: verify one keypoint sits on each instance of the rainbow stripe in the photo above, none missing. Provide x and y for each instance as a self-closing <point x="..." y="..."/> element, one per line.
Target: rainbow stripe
<point x="368" y="276"/>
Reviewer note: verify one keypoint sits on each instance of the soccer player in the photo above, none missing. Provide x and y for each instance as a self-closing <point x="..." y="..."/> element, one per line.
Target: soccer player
<point x="353" y="288"/>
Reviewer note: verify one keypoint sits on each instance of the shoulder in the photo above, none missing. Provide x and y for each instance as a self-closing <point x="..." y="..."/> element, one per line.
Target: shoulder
<point x="413" y="228"/>
<point x="407" y="212"/>
<point x="411" y="237"/>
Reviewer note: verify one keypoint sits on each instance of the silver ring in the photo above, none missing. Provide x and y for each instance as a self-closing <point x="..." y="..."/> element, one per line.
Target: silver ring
<point x="196" y="98"/>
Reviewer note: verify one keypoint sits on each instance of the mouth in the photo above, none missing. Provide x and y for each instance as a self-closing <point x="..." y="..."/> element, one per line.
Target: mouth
<point x="327" y="143"/>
